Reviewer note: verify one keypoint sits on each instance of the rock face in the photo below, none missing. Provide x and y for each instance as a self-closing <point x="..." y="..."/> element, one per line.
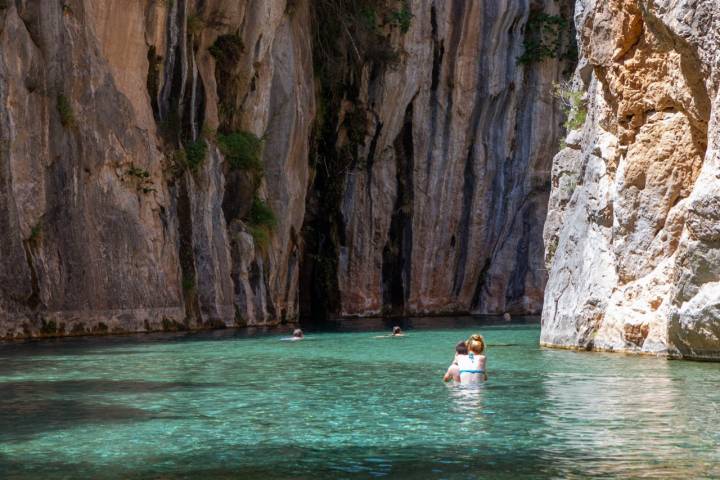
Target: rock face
<point x="632" y="239"/>
<point x="443" y="199"/>
<point x="131" y="198"/>
<point x="102" y="230"/>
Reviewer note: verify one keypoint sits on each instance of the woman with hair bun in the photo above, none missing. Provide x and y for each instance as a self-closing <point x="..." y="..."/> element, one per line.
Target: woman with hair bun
<point x="472" y="366"/>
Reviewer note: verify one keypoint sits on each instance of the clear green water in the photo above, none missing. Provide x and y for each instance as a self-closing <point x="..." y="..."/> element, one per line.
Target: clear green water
<point x="345" y="405"/>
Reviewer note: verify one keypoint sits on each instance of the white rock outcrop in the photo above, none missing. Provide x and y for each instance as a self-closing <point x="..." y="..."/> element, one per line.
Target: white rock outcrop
<point x="633" y="234"/>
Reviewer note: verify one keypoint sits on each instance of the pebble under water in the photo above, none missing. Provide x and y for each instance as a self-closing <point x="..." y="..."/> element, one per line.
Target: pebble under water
<point x="347" y="405"/>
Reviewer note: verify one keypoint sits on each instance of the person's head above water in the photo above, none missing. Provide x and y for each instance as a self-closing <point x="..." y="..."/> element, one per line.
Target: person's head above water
<point x="461" y="348"/>
<point x="476" y="344"/>
<point x="397" y="331"/>
<point x="297" y="333"/>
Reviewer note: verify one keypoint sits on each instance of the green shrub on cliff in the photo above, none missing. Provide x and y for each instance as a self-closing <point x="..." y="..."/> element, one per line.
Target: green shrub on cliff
<point x="543" y="37"/>
<point x="67" y="117"/>
<point x="352" y="34"/>
<point x="571" y="104"/>
<point x="403" y="17"/>
<point x="242" y="150"/>
<point x="195" y="153"/>
<point x="261" y="215"/>
<point x="35" y="232"/>
<point x="190" y="157"/>
<point x="261" y="237"/>
<point x="142" y="179"/>
<point x="261" y="222"/>
<point x="188" y="283"/>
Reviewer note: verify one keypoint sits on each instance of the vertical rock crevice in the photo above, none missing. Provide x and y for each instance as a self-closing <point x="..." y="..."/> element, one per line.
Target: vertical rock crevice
<point x="397" y="252"/>
<point x="180" y="115"/>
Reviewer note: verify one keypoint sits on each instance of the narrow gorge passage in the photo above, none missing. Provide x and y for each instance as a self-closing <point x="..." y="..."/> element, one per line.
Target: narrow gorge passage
<point x="224" y="164"/>
<point x="359" y="239"/>
<point x="207" y="164"/>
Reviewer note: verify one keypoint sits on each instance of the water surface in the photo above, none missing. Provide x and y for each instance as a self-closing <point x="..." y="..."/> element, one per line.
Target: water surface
<point x="347" y="405"/>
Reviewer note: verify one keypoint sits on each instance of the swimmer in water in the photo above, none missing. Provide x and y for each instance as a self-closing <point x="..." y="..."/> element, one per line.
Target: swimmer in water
<point x="296" y="335"/>
<point x="453" y="371"/>
<point x="472" y="365"/>
<point x="396" y="332"/>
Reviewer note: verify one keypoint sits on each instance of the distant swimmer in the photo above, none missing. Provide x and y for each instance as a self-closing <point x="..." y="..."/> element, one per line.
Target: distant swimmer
<point x="296" y="335"/>
<point x="396" y="332"/>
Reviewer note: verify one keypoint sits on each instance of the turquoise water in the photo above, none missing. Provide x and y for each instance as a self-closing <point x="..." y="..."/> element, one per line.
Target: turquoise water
<point x="346" y="405"/>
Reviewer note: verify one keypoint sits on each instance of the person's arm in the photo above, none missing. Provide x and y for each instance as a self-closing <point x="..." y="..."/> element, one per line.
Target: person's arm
<point x="452" y="374"/>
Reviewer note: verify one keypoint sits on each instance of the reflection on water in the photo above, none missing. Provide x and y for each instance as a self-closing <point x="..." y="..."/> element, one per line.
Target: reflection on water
<point x="467" y="400"/>
<point x="619" y="415"/>
<point x="347" y="405"/>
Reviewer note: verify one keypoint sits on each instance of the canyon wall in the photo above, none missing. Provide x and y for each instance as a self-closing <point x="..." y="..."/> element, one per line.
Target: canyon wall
<point x="441" y="199"/>
<point x="632" y="237"/>
<point x="107" y="225"/>
<point x="186" y="164"/>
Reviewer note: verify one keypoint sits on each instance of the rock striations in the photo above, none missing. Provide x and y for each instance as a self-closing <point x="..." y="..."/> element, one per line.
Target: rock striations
<point x="633" y="231"/>
<point x="443" y="205"/>
<point x="187" y="164"/>
<point x="119" y="210"/>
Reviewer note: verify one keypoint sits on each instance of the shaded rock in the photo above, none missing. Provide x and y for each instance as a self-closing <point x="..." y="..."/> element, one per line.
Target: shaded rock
<point x="442" y="204"/>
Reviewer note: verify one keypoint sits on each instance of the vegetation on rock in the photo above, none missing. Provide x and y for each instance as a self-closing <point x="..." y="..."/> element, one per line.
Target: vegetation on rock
<point x="242" y="150"/>
<point x="227" y="50"/>
<point x="142" y="179"/>
<point x="403" y="17"/>
<point x="67" y="116"/>
<point x="35" y="232"/>
<point x="571" y="104"/>
<point x="544" y="35"/>
<point x="195" y="153"/>
<point x="351" y="32"/>
<point x="261" y="222"/>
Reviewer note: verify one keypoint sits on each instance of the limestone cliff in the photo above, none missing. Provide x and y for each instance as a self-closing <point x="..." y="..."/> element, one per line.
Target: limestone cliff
<point x="119" y="211"/>
<point x="162" y="165"/>
<point x="442" y="158"/>
<point x="632" y="239"/>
